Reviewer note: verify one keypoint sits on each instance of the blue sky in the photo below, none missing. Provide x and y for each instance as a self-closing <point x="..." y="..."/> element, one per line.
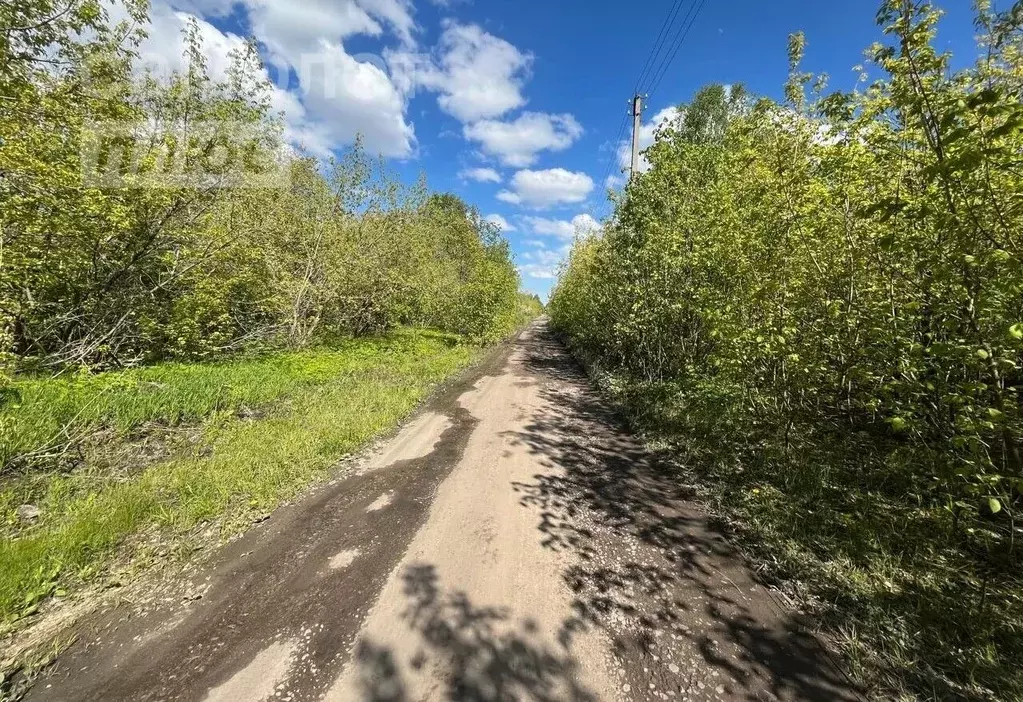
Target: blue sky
<point x="514" y="104"/>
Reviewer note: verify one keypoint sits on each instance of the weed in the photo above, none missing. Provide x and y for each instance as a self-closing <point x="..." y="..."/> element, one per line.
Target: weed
<point x="316" y="406"/>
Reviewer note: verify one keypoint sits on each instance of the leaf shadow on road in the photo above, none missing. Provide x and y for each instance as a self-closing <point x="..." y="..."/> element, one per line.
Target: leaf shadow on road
<point x="483" y="653"/>
<point x="681" y="609"/>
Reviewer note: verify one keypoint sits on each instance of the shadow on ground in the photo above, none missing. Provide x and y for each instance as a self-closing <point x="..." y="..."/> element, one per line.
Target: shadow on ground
<point x="648" y="569"/>
<point x="683" y="614"/>
<point x="485" y="652"/>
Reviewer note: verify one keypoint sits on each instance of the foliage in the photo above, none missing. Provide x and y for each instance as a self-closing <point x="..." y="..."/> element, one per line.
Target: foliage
<point x="46" y="414"/>
<point x="529" y="308"/>
<point x="125" y="238"/>
<point x="821" y="304"/>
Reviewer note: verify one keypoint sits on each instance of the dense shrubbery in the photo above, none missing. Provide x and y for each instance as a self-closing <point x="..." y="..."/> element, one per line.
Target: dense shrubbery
<point x="115" y="276"/>
<point x="821" y="303"/>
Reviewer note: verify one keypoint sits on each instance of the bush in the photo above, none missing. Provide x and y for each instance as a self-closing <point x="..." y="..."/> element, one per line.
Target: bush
<point x="822" y="302"/>
<point x="107" y="277"/>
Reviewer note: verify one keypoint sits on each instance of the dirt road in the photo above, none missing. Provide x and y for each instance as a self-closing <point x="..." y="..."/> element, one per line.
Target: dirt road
<point x="510" y="543"/>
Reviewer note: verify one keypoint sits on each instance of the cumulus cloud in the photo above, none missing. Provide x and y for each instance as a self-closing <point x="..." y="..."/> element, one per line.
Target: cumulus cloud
<point x="162" y="52"/>
<point x="516" y="143"/>
<point x="541" y="263"/>
<point x="479" y="78"/>
<point x="547" y="188"/>
<point x="503" y="224"/>
<point x="336" y="96"/>
<point x="289" y="28"/>
<point x="480" y="175"/>
<point x="580" y="225"/>
<point x="351" y="97"/>
<point x="477" y="75"/>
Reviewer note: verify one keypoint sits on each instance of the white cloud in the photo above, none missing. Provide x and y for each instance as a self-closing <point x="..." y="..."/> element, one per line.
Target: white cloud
<point x="647" y="131"/>
<point x="541" y="264"/>
<point x="550" y="227"/>
<point x="614" y="182"/>
<point x="585" y="224"/>
<point x="351" y="97"/>
<point x="290" y="28"/>
<point x="163" y="53"/>
<point x="336" y="96"/>
<point x="501" y="222"/>
<point x="517" y="143"/>
<point x="543" y="189"/>
<point x="396" y="13"/>
<point x="580" y="225"/>
<point x="480" y="175"/>
<point x="478" y="76"/>
<point x="163" y="50"/>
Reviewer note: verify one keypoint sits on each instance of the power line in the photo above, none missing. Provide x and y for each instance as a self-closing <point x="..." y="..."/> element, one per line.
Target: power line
<point x="676" y="42"/>
<point x="694" y="13"/>
<point x="653" y="72"/>
<point x="614" y="153"/>
<point x="650" y="62"/>
<point x="659" y="41"/>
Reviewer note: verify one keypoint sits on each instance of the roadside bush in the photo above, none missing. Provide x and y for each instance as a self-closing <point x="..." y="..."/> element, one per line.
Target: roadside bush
<point x="820" y="305"/>
<point x="147" y="267"/>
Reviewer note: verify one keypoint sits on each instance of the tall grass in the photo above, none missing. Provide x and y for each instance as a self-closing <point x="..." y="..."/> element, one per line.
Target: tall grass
<point x="319" y="405"/>
<point x="44" y="414"/>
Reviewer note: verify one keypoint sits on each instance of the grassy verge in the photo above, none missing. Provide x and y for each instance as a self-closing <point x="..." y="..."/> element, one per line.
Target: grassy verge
<point x="921" y="610"/>
<point x="251" y="434"/>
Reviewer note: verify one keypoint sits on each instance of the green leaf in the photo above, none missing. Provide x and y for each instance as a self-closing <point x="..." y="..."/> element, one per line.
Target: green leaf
<point x="994" y="505"/>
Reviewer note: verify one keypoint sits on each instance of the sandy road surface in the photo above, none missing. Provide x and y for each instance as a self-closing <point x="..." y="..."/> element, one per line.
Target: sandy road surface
<point x="510" y="543"/>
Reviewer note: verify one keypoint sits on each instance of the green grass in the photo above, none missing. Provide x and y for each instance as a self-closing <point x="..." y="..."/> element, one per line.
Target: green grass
<point x="318" y="406"/>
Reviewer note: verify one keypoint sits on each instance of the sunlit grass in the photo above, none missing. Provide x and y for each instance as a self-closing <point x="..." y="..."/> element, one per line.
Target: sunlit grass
<point x="319" y="405"/>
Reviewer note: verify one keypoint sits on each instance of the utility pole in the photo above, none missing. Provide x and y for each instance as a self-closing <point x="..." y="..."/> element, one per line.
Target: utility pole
<point x="637" y="115"/>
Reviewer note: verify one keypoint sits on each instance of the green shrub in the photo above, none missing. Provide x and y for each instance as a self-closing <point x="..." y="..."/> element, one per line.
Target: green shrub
<point x="820" y="304"/>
